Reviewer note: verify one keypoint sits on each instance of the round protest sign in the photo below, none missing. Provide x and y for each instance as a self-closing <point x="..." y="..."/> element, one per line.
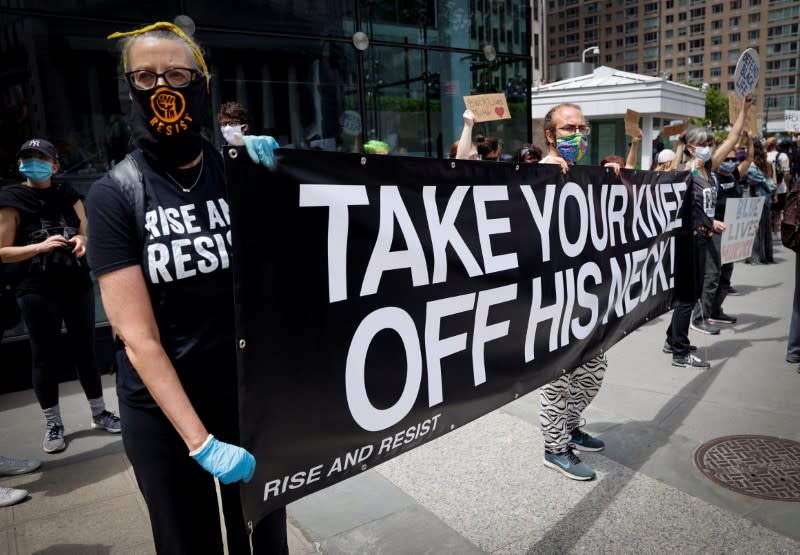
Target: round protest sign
<point x="350" y="122"/>
<point x="745" y="77"/>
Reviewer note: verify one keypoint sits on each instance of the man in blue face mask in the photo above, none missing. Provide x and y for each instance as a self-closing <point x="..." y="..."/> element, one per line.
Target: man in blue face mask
<point x="38" y="161"/>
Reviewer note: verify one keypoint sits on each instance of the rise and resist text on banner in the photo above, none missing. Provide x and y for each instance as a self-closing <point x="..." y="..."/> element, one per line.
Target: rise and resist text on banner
<point x="384" y="301"/>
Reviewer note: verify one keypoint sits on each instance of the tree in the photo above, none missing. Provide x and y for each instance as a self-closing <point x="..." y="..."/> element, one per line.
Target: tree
<point x="716" y="109"/>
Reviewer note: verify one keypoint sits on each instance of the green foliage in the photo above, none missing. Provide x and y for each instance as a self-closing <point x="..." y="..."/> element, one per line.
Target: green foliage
<point x="716" y="108"/>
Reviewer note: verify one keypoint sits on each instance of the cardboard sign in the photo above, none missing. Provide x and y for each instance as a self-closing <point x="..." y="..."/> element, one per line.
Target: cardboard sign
<point x="735" y="105"/>
<point x="488" y="107"/>
<point x="792" y="120"/>
<point x="674" y="130"/>
<point x="631" y="123"/>
<point x="748" y="68"/>
<point x="741" y="220"/>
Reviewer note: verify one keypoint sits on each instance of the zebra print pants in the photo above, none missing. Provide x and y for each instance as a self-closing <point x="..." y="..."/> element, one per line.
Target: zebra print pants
<point x="563" y="400"/>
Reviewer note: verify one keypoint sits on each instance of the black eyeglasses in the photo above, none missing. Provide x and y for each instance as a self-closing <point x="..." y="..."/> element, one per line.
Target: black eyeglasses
<point x="570" y="129"/>
<point x="730" y="159"/>
<point x="175" y="77"/>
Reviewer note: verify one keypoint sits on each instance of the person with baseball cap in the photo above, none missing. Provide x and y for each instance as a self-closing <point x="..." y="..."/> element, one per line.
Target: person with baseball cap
<point x="43" y="228"/>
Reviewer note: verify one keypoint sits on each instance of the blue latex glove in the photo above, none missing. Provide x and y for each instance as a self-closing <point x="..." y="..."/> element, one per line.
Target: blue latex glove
<point x="227" y="462"/>
<point x="260" y="149"/>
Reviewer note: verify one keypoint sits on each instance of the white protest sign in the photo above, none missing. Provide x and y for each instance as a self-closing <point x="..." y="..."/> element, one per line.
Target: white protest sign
<point x="792" y="119"/>
<point x="748" y="68"/>
<point x="741" y="220"/>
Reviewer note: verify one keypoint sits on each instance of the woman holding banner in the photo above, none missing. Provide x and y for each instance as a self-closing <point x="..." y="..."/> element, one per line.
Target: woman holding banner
<point x="168" y="292"/>
<point x="696" y="238"/>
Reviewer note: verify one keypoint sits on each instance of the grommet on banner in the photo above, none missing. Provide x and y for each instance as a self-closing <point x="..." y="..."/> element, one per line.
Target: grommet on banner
<point x="516" y="395"/>
<point x="452" y="426"/>
<point x="242" y="343"/>
<point x="233" y="153"/>
<point x="363" y="467"/>
<point x="517" y="168"/>
<point x="563" y="371"/>
<point x="453" y="165"/>
<point x="363" y="160"/>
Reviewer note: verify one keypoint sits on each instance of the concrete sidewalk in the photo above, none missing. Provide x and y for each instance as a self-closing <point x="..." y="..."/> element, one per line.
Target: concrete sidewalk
<point x="483" y="488"/>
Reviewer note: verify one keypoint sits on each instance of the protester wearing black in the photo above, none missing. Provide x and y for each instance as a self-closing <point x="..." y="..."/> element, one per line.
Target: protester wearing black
<point x="168" y="293"/>
<point x="691" y="242"/>
<point x="717" y="280"/>
<point x="43" y="229"/>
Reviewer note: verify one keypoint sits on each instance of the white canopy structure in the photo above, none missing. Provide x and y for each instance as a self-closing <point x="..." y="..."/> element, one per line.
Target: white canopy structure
<point x="607" y="93"/>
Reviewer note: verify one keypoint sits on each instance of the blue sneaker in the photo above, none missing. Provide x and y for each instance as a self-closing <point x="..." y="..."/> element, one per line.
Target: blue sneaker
<point x="584" y="442"/>
<point x="569" y="465"/>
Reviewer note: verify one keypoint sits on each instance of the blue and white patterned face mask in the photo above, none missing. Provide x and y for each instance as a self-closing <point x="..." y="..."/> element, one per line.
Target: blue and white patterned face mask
<point x="36" y="170"/>
<point x="727" y="167"/>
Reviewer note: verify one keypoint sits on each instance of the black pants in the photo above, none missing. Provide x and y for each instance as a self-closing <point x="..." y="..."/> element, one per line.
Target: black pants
<point x="678" y="329"/>
<point x="43" y="314"/>
<point x="716" y="281"/>
<point x="762" y="246"/>
<point x="181" y="496"/>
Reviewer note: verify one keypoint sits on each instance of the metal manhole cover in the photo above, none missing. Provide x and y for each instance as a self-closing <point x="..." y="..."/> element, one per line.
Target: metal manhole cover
<point x="758" y="466"/>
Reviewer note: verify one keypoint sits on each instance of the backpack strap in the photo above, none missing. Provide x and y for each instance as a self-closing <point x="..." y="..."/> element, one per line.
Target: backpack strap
<point x="128" y="177"/>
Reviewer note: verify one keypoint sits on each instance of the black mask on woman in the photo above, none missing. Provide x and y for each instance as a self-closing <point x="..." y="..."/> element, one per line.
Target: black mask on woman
<point x="166" y="122"/>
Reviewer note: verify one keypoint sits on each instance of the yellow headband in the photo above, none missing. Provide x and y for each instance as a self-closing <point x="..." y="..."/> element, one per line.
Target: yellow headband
<point x="171" y="27"/>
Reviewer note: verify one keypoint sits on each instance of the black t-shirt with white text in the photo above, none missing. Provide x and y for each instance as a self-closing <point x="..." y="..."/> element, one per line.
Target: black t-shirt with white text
<point x="186" y="264"/>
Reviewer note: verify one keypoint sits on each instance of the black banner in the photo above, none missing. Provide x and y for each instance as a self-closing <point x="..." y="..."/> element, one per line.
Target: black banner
<point x="384" y="301"/>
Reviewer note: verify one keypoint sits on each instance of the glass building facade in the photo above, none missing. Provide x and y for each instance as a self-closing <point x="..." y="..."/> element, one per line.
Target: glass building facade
<point x="294" y="66"/>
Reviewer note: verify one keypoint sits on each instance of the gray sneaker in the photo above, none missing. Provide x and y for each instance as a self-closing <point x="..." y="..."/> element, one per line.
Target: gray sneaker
<point x="54" y="438"/>
<point x="12" y="467"/>
<point x="11" y="496"/>
<point x="108" y="421"/>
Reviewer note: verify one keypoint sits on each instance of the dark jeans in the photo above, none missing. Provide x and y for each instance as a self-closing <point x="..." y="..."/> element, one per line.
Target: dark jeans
<point x="678" y="330"/>
<point x="793" y="348"/>
<point x="43" y="314"/>
<point x="181" y="496"/>
<point x="762" y="246"/>
<point x="716" y="281"/>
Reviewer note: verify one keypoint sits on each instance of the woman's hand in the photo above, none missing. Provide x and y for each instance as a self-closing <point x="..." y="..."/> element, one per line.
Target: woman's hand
<point x="614" y="166"/>
<point x="469" y="118"/>
<point x="719" y="227"/>
<point x="79" y="245"/>
<point x="52" y="242"/>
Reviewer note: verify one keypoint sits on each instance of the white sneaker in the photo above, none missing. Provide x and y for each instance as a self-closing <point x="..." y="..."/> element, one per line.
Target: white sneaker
<point x="11" y="496"/>
<point x="12" y="467"/>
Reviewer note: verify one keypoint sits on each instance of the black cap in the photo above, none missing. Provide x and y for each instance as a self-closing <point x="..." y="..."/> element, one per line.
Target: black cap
<point x="39" y="145"/>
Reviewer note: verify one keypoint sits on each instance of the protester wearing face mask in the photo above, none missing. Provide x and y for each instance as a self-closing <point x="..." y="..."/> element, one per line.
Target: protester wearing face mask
<point x="232" y="119"/>
<point x="168" y="293"/>
<point x="43" y="228"/>
<point x="694" y="242"/>
<point x="563" y="400"/>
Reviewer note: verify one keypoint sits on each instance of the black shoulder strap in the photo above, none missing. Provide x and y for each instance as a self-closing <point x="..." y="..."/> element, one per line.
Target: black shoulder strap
<point x="128" y="177"/>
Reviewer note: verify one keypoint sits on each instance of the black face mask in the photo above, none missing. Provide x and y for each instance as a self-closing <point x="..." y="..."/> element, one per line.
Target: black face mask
<point x="166" y="122"/>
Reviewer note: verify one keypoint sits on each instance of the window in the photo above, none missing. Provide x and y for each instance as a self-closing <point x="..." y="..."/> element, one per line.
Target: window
<point x="669" y="19"/>
<point x="731" y="70"/>
<point x="753" y="35"/>
<point x="681" y="77"/>
<point x="734" y="21"/>
<point x="734" y="37"/>
<point x="783" y="30"/>
<point x="697" y="44"/>
<point x="784" y="14"/>
<point x="782" y="48"/>
<point x="716" y="25"/>
<point x="651" y="8"/>
<point x="668" y="50"/>
<point x="681" y="47"/>
<point x="631" y="26"/>
<point x="681" y="62"/>
<point x="632" y="12"/>
<point x="716" y="40"/>
<point x="652" y="36"/>
<point x="650" y="52"/>
<point x="782" y="65"/>
<point x="681" y="16"/>
<point x="632" y="40"/>
<point x="633" y="68"/>
<point x="736" y="4"/>
<point x="650" y="67"/>
<point x="717" y="8"/>
<point x="781" y="101"/>
<point x="697" y="59"/>
<point x="697" y="28"/>
<point x="755" y="3"/>
<point x="651" y="23"/>
<point x="682" y="32"/>
<point x="781" y="82"/>
<point x="696" y="75"/>
<point x="716" y="56"/>
<point x="631" y="55"/>
<point x="667" y="64"/>
<point x="668" y="34"/>
<point x="716" y="72"/>
<point x="754" y="18"/>
<point x="733" y="55"/>
<point x="697" y="13"/>
<point x="730" y="85"/>
<point x="620" y="43"/>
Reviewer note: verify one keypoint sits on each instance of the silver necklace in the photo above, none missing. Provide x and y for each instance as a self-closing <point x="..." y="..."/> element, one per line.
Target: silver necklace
<point x="197" y="179"/>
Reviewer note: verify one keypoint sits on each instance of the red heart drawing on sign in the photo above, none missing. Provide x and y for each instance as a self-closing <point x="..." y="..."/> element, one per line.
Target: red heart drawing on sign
<point x="499" y="111"/>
